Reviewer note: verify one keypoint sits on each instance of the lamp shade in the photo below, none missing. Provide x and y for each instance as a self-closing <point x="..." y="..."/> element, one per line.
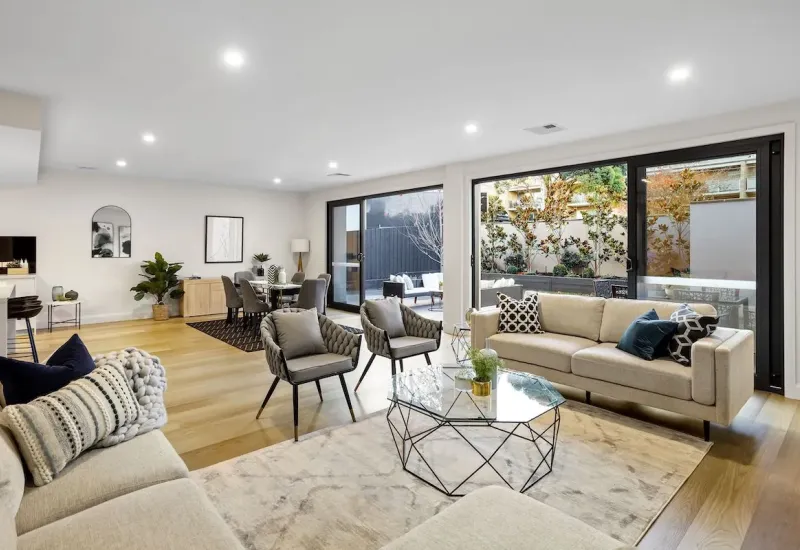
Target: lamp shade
<point x="300" y="245"/>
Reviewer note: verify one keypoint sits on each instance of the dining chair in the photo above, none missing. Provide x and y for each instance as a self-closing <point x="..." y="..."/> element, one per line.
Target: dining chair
<point x="240" y="276"/>
<point x="291" y="299"/>
<point x="233" y="300"/>
<point x="327" y="278"/>
<point x="342" y="348"/>
<point x="254" y="309"/>
<point x="312" y="294"/>
<point x="298" y="278"/>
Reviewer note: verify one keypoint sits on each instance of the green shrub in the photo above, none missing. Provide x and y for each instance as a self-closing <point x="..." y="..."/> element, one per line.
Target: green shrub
<point x="515" y="260"/>
<point x="512" y="270"/>
<point x="573" y="261"/>
<point x="588" y="272"/>
<point x="560" y="270"/>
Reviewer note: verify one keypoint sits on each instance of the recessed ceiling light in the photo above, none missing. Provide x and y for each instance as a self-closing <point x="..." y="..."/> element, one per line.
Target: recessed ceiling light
<point x="276" y="181"/>
<point x="679" y="73"/>
<point x="233" y="58"/>
<point x="148" y="137"/>
<point x="471" y="128"/>
<point x="122" y="163"/>
<point x="333" y="165"/>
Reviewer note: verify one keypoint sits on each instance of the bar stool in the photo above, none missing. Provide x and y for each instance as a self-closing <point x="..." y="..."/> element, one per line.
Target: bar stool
<point x="26" y="307"/>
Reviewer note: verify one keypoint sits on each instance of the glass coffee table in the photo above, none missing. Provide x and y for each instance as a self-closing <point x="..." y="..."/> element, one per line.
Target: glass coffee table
<point x="445" y="401"/>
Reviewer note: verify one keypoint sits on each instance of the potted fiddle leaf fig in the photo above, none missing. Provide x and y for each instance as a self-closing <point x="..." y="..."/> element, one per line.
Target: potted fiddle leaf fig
<point x="161" y="280"/>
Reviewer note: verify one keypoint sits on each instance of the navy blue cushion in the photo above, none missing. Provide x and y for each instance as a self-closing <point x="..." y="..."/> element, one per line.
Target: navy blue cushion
<point x="647" y="335"/>
<point x="24" y="381"/>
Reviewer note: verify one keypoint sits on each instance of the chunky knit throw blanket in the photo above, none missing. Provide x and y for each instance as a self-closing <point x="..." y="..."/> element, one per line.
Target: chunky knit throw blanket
<point x="148" y="380"/>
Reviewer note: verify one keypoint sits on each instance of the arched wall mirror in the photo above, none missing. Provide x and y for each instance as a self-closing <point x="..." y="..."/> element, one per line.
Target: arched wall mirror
<point x="111" y="233"/>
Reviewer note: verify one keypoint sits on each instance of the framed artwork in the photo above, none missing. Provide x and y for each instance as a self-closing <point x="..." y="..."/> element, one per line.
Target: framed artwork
<point x="111" y="233"/>
<point x="224" y="239"/>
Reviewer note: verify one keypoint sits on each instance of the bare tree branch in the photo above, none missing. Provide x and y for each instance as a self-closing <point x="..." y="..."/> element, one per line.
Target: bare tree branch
<point x="425" y="227"/>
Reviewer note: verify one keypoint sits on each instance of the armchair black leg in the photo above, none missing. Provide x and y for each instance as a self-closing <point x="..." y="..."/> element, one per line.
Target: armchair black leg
<point x="401" y="365"/>
<point x="427" y="358"/>
<point x="363" y="374"/>
<point x="394" y="369"/>
<point x="269" y="394"/>
<point x="347" y="397"/>
<point x="319" y="389"/>
<point x="294" y="406"/>
<point x="229" y="318"/>
<point x="706" y="430"/>
<point x="588" y="398"/>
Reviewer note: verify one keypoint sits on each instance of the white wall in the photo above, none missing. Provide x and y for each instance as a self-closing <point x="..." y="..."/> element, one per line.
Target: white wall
<point x="457" y="178"/>
<point x="167" y="217"/>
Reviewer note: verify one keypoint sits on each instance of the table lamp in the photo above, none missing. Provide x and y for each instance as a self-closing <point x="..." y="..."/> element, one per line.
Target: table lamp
<point x="300" y="246"/>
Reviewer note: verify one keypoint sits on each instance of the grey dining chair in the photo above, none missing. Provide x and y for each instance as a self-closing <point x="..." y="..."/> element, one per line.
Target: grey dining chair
<point x="291" y="299"/>
<point x="233" y="301"/>
<point x="327" y="278"/>
<point x="312" y="294"/>
<point x="298" y="278"/>
<point x="240" y="276"/>
<point x="254" y="309"/>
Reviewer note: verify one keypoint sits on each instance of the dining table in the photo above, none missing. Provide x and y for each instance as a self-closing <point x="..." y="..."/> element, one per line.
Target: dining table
<point x="277" y="291"/>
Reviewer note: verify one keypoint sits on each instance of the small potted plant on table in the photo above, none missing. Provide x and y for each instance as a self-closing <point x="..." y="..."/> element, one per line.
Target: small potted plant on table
<point x="260" y="259"/>
<point x="161" y="280"/>
<point x="485" y="366"/>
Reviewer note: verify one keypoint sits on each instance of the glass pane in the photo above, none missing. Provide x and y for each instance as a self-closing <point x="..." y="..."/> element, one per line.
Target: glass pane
<point x="403" y="236"/>
<point x="345" y="266"/>
<point x="701" y="236"/>
<point x="562" y="232"/>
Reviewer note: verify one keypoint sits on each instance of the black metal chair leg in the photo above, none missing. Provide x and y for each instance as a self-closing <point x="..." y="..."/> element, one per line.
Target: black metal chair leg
<point x="401" y="365"/>
<point x="269" y="394"/>
<point x="294" y="405"/>
<point x="363" y="374"/>
<point x="707" y="430"/>
<point x="229" y="318"/>
<point x="427" y="359"/>
<point x="394" y="369"/>
<point x="588" y="398"/>
<point x="31" y="340"/>
<point x="347" y="397"/>
<point x="319" y="389"/>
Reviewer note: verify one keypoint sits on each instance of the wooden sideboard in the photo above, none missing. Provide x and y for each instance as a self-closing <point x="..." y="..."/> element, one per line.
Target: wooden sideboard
<point x="202" y="297"/>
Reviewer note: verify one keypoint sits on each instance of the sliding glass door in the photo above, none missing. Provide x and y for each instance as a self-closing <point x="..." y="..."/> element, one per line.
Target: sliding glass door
<point x="708" y="229"/>
<point x="345" y="256"/>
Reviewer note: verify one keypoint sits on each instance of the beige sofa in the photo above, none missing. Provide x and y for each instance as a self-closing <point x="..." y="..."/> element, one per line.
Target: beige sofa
<point x="578" y="349"/>
<point x="502" y="519"/>
<point x="134" y="495"/>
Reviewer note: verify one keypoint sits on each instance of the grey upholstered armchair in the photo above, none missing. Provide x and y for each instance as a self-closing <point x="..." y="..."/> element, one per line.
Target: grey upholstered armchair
<point x="419" y="336"/>
<point x="342" y="348"/>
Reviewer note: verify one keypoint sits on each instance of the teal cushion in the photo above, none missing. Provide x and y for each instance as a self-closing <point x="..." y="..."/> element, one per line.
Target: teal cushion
<point x="647" y="335"/>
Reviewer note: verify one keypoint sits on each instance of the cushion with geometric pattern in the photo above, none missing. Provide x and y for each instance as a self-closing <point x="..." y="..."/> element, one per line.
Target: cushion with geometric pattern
<point x="692" y="326"/>
<point x="519" y="315"/>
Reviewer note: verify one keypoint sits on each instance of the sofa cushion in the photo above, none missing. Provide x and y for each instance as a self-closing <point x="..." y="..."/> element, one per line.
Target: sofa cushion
<point x="691" y="327"/>
<point x="606" y="362"/>
<point x="647" y="336"/>
<point x="519" y="315"/>
<point x="12" y="483"/>
<point x="169" y="516"/>
<point x="100" y="475"/>
<point x="408" y="346"/>
<point x="310" y="367"/>
<point x="572" y="315"/>
<point x="513" y="521"/>
<point x="386" y="315"/>
<point x="619" y="314"/>
<point x="551" y="350"/>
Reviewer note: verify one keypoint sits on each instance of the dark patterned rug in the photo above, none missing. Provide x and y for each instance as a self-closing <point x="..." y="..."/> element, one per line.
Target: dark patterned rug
<point x="238" y="337"/>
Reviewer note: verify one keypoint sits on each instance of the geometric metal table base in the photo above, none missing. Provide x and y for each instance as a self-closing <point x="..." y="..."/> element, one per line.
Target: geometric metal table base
<point x="407" y="442"/>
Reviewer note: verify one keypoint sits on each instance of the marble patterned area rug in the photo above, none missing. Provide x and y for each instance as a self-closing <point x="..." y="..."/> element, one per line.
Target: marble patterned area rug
<point x="345" y="487"/>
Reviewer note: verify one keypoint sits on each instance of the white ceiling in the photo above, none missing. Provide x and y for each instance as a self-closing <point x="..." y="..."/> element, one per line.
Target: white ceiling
<point x="381" y="86"/>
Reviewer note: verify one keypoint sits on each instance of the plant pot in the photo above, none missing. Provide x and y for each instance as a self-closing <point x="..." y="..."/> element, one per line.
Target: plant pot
<point x="160" y="312"/>
<point x="481" y="389"/>
<point x="260" y="270"/>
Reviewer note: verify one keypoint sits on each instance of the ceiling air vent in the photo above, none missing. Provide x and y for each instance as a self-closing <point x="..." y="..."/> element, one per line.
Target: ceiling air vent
<point x="87" y="168"/>
<point x="338" y="174"/>
<point x="545" y="129"/>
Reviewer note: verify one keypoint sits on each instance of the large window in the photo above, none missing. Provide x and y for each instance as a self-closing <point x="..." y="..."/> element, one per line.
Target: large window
<point x="559" y="231"/>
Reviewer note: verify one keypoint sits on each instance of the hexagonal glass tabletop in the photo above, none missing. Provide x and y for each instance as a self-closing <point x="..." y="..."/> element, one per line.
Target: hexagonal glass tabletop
<point x="444" y="391"/>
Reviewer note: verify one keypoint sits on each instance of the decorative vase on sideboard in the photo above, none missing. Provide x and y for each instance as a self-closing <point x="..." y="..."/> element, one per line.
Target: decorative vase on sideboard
<point x="282" y="277"/>
<point x="57" y="291"/>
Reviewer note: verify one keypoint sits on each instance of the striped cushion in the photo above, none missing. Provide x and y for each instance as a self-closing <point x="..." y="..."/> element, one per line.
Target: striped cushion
<point x="54" y="429"/>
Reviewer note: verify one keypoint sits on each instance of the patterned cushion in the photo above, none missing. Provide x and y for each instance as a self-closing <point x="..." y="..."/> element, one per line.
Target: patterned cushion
<point x="54" y="429"/>
<point x="691" y="327"/>
<point x="519" y="315"/>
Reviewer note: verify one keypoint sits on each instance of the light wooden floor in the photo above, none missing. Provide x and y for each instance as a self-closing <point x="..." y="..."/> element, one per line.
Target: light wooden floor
<point x="745" y="493"/>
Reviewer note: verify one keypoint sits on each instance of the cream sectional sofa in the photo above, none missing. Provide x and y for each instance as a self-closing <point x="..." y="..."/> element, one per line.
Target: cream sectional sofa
<point x="134" y="495"/>
<point x="578" y="349"/>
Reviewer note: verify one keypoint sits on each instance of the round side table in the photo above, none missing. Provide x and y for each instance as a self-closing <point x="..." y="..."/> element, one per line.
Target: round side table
<point x="75" y="321"/>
